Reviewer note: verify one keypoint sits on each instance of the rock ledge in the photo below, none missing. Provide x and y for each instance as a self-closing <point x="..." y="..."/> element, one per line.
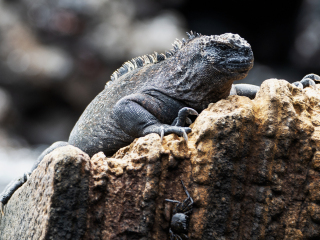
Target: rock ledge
<point x="251" y="166"/>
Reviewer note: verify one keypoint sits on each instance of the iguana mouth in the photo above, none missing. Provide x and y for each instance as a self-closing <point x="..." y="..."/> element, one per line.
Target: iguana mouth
<point x="239" y="61"/>
<point x="238" y="65"/>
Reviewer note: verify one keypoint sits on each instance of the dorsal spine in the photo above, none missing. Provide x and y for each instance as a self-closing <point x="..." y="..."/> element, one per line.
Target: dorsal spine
<point x="154" y="58"/>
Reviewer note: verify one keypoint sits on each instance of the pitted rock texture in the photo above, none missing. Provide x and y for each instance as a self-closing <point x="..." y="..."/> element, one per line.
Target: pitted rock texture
<point x="251" y="166"/>
<point x="52" y="204"/>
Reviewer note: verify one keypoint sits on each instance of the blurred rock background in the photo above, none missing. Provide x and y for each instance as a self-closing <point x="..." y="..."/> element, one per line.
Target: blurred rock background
<point x="55" y="56"/>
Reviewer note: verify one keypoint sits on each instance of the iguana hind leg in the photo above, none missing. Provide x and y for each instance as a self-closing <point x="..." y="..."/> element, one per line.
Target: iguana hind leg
<point x="15" y="184"/>
<point x="141" y="114"/>
<point x="10" y="189"/>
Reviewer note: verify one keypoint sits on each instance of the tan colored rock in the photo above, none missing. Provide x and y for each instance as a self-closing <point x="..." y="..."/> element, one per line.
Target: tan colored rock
<point x="52" y="203"/>
<point x="251" y="166"/>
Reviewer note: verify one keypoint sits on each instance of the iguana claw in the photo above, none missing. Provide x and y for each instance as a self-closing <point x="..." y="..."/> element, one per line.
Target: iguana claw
<point x="312" y="76"/>
<point x="298" y="85"/>
<point x="162" y="134"/>
<point x="185" y="136"/>
<point x="190" y="111"/>
<point x="167" y="129"/>
<point x="307" y="82"/>
<point x="188" y="121"/>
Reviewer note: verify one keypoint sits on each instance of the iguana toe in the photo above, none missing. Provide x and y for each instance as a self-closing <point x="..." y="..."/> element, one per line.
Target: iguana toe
<point x="190" y="111"/>
<point x="298" y="84"/>
<point x="185" y="136"/>
<point x="180" y="131"/>
<point x="310" y="80"/>
<point x="183" y="116"/>
<point x="167" y="129"/>
<point x="188" y="121"/>
<point x="307" y="82"/>
<point x="313" y="77"/>
<point x="161" y="134"/>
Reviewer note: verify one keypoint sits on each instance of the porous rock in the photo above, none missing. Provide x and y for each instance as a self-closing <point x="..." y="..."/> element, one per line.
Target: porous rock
<point x="251" y="166"/>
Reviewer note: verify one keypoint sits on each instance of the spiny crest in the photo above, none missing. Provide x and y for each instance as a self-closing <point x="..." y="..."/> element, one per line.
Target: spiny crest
<point x="193" y="35"/>
<point x="154" y="58"/>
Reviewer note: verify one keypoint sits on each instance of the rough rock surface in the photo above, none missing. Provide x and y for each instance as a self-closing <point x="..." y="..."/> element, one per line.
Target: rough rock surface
<point x="251" y="166"/>
<point x="52" y="204"/>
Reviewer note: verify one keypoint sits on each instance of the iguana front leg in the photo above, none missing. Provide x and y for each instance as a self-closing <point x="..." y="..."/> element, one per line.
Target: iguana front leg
<point x="243" y="89"/>
<point x="250" y="90"/>
<point x="152" y="112"/>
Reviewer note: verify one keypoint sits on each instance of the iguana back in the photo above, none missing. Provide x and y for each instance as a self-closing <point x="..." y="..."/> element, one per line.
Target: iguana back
<point x="190" y="75"/>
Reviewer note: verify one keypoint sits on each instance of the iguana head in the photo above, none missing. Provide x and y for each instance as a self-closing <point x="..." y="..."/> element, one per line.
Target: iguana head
<point x="227" y="54"/>
<point x="206" y="66"/>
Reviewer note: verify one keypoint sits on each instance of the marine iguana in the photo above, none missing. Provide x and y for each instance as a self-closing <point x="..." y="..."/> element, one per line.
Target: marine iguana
<point x="156" y="93"/>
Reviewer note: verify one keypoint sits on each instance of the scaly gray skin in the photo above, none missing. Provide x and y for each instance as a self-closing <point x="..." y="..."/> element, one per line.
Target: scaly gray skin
<point x="156" y="93"/>
<point x="147" y="99"/>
